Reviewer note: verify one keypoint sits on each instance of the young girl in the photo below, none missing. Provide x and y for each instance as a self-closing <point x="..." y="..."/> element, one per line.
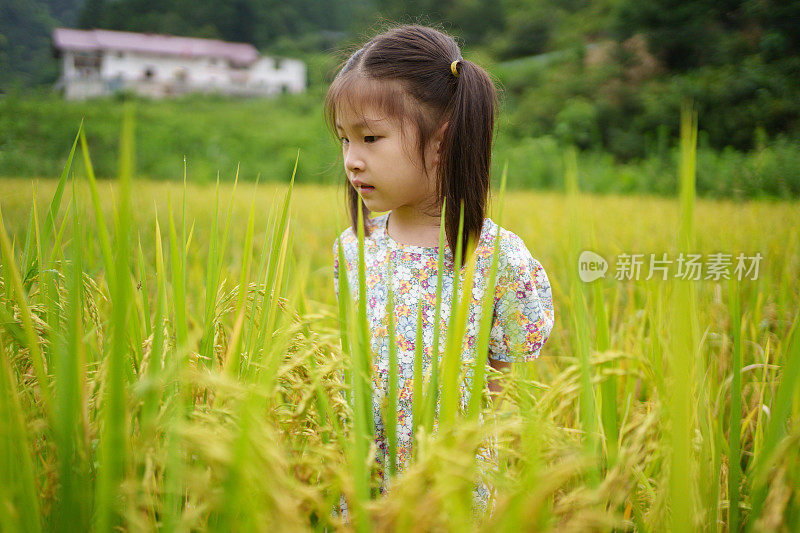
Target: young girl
<point x="415" y="121"/>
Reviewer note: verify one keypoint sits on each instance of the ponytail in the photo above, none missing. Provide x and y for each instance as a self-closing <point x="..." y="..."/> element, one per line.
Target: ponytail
<point x="466" y="153"/>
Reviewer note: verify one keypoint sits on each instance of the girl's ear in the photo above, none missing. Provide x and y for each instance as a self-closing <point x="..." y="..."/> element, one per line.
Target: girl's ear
<point x="440" y="136"/>
<point x="435" y="144"/>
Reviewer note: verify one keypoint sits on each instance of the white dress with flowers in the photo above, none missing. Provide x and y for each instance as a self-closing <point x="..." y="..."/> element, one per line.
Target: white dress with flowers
<point x="523" y="314"/>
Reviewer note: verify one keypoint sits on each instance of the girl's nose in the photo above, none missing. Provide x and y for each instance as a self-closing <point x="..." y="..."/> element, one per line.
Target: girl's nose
<point x="352" y="161"/>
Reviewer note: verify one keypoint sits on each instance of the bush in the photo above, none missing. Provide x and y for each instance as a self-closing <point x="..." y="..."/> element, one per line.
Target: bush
<point x="576" y="123"/>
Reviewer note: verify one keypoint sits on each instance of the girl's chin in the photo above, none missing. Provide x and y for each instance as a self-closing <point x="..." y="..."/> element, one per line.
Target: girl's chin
<point x="371" y="203"/>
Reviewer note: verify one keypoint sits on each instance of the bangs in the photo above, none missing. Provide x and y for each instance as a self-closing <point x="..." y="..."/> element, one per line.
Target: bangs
<point x="355" y="93"/>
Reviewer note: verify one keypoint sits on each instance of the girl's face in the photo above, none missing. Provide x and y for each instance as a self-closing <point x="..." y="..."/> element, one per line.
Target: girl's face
<point x="382" y="162"/>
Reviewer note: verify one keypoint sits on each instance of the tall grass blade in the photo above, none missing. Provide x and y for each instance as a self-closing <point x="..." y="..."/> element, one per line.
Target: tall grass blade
<point x="735" y="425"/>
<point x="276" y="271"/>
<point x="113" y="443"/>
<point x="142" y="274"/>
<point x="28" y="255"/>
<point x="361" y="372"/>
<point x="432" y="393"/>
<point x="391" y="403"/>
<point x="417" y="394"/>
<point x="69" y="368"/>
<point x="487" y="314"/>
<point x="344" y="314"/>
<point x="271" y="347"/>
<point x="177" y="263"/>
<point x="55" y="203"/>
<point x="451" y="364"/>
<point x="683" y="347"/>
<point x="608" y="385"/>
<point x="99" y="219"/>
<point x="233" y="363"/>
<point x="580" y="314"/>
<point x="152" y="396"/>
<point x="458" y="504"/>
<point x="216" y="254"/>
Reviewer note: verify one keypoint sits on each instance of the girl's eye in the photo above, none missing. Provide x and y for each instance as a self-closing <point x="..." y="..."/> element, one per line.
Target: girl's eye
<point x="367" y="139"/>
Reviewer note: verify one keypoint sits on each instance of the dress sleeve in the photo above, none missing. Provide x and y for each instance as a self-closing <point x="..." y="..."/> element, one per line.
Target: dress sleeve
<point x="523" y="305"/>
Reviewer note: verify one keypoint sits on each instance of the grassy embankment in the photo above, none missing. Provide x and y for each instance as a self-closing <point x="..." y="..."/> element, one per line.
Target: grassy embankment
<point x="263" y="135"/>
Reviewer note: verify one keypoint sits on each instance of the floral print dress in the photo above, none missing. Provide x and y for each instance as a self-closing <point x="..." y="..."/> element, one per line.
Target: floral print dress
<point x="523" y="315"/>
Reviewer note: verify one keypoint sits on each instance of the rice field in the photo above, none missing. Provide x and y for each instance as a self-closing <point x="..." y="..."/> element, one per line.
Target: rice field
<point x="173" y="357"/>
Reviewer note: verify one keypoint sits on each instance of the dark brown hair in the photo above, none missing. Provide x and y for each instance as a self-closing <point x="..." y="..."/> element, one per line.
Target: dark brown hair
<point x="406" y="73"/>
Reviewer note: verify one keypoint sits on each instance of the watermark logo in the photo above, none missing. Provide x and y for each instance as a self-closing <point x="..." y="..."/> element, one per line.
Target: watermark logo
<point x="591" y="266"/>
<point x="687" y="266"/>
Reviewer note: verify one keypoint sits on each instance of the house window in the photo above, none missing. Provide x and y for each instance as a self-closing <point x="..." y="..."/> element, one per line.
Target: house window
<point x="119" y="55"/>
<point x="87" y="63"/>
<point x="181" y="75"/>
<point x="149" y="72"/>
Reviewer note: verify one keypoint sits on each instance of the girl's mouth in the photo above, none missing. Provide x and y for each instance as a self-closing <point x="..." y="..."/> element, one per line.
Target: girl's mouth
<point x="365" y="188"/>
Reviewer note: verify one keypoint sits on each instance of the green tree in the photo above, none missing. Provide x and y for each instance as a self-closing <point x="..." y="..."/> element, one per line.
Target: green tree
<point x="92" y="15"/>
<point x="25" y="53"/>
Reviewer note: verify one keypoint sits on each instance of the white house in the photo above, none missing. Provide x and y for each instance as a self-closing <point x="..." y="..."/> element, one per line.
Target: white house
<point x="101" y="62"/>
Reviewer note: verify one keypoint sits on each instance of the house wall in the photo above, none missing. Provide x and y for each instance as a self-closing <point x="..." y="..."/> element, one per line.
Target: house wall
<point x="130" y="66"/>
<point x="175" y="75"/>
<point x="68" y="65"/>
<point x="290" y="74"/>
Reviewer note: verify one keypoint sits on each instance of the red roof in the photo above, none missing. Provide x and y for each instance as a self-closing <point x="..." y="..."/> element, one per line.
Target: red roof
<point x="91" y="40"/>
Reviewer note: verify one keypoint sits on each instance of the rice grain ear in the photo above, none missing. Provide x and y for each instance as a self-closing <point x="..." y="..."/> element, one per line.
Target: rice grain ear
<point x="780" y="414"/>
<point x="19" y="475"/>
<point x="12" y="277"/>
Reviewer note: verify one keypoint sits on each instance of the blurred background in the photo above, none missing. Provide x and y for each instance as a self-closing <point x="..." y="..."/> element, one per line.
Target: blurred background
<point x="607" y="76"/>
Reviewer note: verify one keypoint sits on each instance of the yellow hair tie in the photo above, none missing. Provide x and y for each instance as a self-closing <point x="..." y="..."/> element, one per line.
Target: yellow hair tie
<point x="453" y="68"/>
